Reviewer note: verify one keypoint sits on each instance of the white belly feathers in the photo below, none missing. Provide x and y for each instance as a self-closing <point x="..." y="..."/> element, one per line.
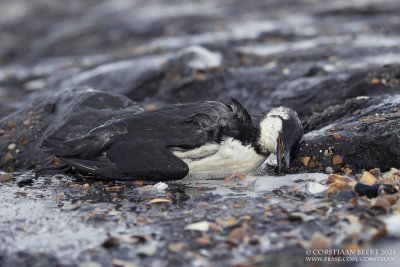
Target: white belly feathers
<point x="228" y="156"/>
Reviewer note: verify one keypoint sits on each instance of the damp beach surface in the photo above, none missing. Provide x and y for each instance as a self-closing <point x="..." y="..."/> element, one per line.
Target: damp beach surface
<point x="199" y="221"/>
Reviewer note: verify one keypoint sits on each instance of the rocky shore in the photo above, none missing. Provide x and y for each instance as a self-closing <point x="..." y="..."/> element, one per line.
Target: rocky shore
<point x="66" y="67"/>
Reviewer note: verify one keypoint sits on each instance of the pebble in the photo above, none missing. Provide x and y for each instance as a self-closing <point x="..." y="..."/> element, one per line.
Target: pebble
<point x="4" y="177"/>
<point x="159" y="200"/>
<point x="203" y="204"/>
<point x="111" y="242"/>
<point x="147" y="250"/>
<point x="271" y="160"/>
<point x="305" y="160"/>
<point x="370" y="191"/>
<point x="320" y="241"/>
<point x="227" y="222"/>
<point x="90" y="264"/>
<point x="11" y="146"/>
<point x="383" y="204"/>
<point x="393" y="174"/>
<point x="8" y="157"/>
<point x="25" y="181"/>
<point x="376" y="172"/>
<point x="70" y="206"/>
<point x="204" y="240"/>
<point x="329" y="170"/>
<point x="146" y="188"/>
<point x="133" y="239"/>
<point x="314" y="188"/>
<point x="286" y="71"/>
<point x="177" y="246"/>
<point x="203" y="226"/>
<point x="336" y="160"/>
<point x="300" y="216"/>
<point x="12" y="124"/>
<point x="160" y="186"/>
<point x="392" y="199"/>
<point x="199" y="58"/>
<point x="253" y="185"/>
<point x="238" y="234"/>
<point x="344" y="196"/>
<point x="368" y="178"/>
<point x="121" y="263"/>
<point x="333" y="178"/>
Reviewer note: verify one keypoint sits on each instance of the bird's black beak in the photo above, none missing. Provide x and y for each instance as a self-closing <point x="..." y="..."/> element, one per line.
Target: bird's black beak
<point x="282" y="155"/>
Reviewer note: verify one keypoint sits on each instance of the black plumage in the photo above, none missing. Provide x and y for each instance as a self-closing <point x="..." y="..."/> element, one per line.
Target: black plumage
<point x="139" y="146"/>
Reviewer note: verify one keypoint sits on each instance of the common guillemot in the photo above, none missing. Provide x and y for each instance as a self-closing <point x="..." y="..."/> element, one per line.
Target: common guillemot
<point x="170" y="142"/>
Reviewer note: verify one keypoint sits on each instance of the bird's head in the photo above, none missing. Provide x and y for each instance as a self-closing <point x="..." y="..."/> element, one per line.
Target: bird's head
<point x="280" y="132"/>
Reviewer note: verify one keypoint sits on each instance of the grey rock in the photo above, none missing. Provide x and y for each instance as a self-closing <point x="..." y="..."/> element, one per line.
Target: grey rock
<point x="300" y="216"/>
<point x="4" y="177"/>
<point x="147" y="250"/>
<point x="194" y="58"/>
<point x="344" y="196"/>
<point x="136" y="78"/>
<point x="329" y="170"/>
<point x="70" y="206"/>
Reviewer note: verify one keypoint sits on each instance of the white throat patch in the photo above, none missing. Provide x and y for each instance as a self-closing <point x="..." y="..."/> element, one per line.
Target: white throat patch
<point x="270" y="127"/>
<point x="269" y="133"/>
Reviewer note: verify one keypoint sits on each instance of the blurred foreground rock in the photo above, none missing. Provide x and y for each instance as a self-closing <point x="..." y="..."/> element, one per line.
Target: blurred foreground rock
<point x="68" y="114"/>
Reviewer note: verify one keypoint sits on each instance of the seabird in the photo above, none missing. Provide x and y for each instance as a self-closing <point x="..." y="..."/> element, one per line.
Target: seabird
<point x="173" y="141"/>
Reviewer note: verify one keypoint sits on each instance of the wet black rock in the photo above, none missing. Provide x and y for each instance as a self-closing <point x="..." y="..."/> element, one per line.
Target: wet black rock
<point x="374" y="190"/>
<point x="137" y="78"/>
<point x="259" y="88"/>
<point x="379" y="81"/>
<point x="25" y="182"/>
<point x="363" y="134"/>
<point x="68" y="114"/>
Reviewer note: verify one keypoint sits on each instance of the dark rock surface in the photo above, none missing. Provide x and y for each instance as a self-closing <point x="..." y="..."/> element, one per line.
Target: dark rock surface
<point x="362" y="133"/>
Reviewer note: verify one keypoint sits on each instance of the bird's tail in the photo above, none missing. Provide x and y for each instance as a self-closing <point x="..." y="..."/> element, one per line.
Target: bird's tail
<point x="89" y="145"/>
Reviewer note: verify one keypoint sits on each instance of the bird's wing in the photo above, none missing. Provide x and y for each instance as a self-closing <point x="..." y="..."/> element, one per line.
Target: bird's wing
<point x="125" y="160"/>
<point x="186" y="126"/>
<point x="196" y="124"/>
<point x="240" y="124"/>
